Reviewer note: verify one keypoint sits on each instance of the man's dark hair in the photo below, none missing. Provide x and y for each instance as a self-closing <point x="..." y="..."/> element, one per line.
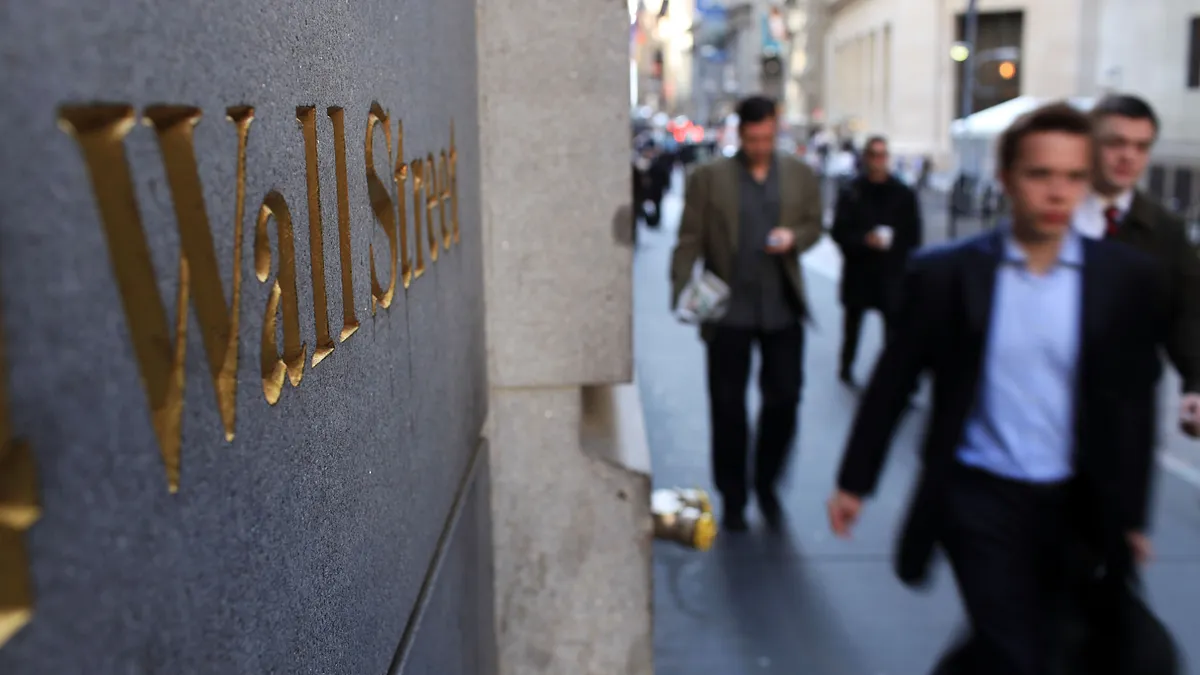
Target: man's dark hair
<point x="1053" y="117"/>
<point x="874" y="140"/>
<point x="1124" y="105"/>
<point x="755" y="109"/>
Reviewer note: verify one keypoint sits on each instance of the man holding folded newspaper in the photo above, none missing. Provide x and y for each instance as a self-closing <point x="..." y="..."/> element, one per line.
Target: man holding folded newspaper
<point x="747" y="219"/>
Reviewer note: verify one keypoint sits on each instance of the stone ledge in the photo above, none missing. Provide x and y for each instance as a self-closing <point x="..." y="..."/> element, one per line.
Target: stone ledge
<point x="573" y="535"/>
<point x="613" y="427"/>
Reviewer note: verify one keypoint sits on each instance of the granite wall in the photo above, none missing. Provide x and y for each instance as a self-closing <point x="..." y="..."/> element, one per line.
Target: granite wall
<point x="289" y="477"/>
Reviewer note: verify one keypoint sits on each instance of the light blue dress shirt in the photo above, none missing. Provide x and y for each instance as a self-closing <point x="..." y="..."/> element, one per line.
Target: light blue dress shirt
<point x="1023" y="423"/>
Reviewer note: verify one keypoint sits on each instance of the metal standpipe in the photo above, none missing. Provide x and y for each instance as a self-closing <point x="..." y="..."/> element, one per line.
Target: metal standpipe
<point x="684" y="516"/>
<point x="970" y="37"/>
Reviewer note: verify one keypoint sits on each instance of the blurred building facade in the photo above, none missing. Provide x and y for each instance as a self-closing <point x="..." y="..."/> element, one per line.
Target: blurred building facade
<point x="1165" y="68"/>
<point x="889" y="67"/>
<point x="698" y="57"/>
<point x="646" y="52"/>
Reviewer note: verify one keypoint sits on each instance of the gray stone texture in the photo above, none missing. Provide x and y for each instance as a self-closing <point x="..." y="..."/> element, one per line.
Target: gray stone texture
<point x="570" y="493"/>
<point x="453" y="632"/>
<point x="302" y="546"/>
<point x="572" y="536"/>
<point x="554" y="117"/>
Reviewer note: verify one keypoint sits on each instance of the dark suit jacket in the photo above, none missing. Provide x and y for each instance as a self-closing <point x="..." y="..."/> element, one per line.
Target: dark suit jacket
<point x="869" y="276"/>
<point x="1150" y="227"/>
<point x="941" y="329"/>
<point x="708" y="230"/>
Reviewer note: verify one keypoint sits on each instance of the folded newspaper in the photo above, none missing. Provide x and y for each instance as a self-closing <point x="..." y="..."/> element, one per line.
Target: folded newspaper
<point x="704" y="299"/>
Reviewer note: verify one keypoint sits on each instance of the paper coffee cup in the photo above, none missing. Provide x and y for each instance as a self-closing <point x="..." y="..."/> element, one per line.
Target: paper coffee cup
<point x="885" y="233"/>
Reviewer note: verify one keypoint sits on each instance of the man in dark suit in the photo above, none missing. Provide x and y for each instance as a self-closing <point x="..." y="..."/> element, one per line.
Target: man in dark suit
<point x="651" y="178"/>
<point x="1042" y="348"/>
<point x="747" y="218"/>
<point x="876" y="224"/>
<point x="1126" y="129"/>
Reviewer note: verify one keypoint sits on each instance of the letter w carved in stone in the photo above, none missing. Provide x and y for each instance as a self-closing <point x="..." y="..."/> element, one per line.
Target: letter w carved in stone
<point x="100" y="131"/>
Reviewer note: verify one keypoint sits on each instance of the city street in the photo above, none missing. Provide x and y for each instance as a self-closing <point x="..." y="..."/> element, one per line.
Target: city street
<point x="805" y="603"/>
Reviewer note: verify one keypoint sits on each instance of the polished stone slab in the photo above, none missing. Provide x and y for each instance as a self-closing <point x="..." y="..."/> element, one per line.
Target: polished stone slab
<point x="302" y="544"/>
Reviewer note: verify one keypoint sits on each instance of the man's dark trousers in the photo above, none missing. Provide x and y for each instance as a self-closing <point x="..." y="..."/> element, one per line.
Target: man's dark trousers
<point x="1026" y="569"/>
<point x="1007" y="544"/>
<point x="780" y="382"/>
<point x="852" y="321"/>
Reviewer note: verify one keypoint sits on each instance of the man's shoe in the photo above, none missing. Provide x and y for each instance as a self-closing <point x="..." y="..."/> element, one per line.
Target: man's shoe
<point x="772" y="510"/>
<point x="734" y="521"/>
<point x="847" y="377"/>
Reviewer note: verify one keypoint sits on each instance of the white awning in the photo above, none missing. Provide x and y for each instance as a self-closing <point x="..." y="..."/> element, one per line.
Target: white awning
<point x="990" y="122"/>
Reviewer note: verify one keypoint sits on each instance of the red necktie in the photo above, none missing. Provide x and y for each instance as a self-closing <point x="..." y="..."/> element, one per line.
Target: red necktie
<point x="1112" y="221"/>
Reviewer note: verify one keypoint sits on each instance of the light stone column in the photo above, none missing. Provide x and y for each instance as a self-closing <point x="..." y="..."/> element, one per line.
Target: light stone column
<point x="857" y="77"/>
<point x="863" y="109"/>
<point x="570" y="490"/>
<point x="872" y="109"/>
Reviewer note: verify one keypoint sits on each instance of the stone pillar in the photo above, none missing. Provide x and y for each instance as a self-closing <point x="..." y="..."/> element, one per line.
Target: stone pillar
<point x="570" y="497"/>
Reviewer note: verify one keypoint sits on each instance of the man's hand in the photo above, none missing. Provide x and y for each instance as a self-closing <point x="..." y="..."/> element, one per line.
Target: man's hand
<point x="875" y="241"/>
<point x="843" y="513"/>
<point x="1140" y="546"/>
<point x="1189" y="415"/>
<point x="780" y="240"/>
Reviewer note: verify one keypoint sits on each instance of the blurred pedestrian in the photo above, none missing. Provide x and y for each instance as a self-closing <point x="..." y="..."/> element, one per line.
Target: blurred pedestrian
<point x="877" y="224"/>
<point x="747" y="218"/>
<point x="1126" y="129"/>
<point x="843" y="165"/>
<point x="651" y="177"/>
<point x="1044" y="349"/>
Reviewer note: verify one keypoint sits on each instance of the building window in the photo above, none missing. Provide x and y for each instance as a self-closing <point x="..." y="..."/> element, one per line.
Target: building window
<point x="1183" y="189"/>
<point x="1157" y="182"/>
<point x="996" y="62"/>
<point x="1194" y="54"/>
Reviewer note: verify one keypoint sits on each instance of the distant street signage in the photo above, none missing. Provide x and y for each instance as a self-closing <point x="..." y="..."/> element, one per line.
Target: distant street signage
<point x="711" y="12"/>
<point x="711" y="20"/>
<point x="774" y="32"/>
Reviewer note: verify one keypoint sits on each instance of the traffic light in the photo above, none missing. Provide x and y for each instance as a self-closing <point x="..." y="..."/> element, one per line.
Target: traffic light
<point x="772" y="66"/>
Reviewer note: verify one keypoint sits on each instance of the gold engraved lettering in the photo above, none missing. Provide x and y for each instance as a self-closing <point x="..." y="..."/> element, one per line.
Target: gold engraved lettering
<point x="283" y="292"/>
<point x="443" y="197"/>
<point x="418" y="176"/>
<point x="382" y="206"/>
<point x="400" y="175"/>
<point x="453" y="182"/>
<point x="349" y="319"/>
<point x="19" y="510"/>
<point x="100" y="131"/>
<point x="307" y="116"/>
<point x="431" y="201"/>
